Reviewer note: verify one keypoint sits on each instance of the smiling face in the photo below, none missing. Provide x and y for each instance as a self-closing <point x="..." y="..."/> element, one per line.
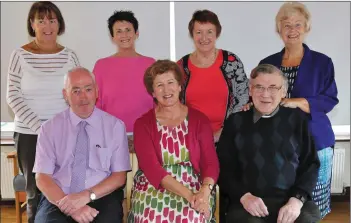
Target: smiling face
<point x="204" y="36"/>
<point x="124" y="34"/>
<point x="266" y="91"/>
<point x="166" y="89"/>
<point x="46" y="27"/>
<point x="81" y="93"/>
<point x="293" y="29"/>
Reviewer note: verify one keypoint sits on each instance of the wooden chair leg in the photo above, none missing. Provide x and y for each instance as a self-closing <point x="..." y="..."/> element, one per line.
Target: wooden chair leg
<point x="18" y="208"/>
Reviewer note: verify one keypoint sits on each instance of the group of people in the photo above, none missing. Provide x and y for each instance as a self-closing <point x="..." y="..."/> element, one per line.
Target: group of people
<point x="265" y="140"/>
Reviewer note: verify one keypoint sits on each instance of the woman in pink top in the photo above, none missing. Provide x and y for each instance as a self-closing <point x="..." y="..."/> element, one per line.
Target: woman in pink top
<point x="120" y="76"/>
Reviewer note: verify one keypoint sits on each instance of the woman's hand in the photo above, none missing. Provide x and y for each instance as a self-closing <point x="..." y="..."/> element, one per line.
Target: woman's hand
<point x="201" y="203"/>
<point x="247" y="106"/>
<point x="216" y="135"/>
<point x="300" y="103"/>
<point x="204" y="209"/>
<point x="290" y="102"/>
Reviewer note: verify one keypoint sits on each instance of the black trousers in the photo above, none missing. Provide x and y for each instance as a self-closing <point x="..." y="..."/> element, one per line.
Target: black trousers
<point x="109" y="207"/>
<point x="236" y="213"/>
<point x="25" y="145"/>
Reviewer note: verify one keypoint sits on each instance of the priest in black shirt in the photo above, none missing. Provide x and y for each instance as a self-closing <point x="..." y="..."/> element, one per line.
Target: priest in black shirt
<point x="268" y="160"/>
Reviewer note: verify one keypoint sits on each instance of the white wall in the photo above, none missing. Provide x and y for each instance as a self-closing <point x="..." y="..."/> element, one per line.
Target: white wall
<point x="248" y="30"/>
<point x="86" y="32"/>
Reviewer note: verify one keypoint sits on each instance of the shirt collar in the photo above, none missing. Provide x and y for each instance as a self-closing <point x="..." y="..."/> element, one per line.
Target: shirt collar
<point x="92" y="120"/>
<point x="257" y="115"/>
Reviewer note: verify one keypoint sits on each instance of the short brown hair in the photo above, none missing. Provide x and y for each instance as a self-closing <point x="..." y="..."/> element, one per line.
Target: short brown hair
<point x="40" y="10"/>
<point x="204" y="16"/>
<point x="158" y="68"/>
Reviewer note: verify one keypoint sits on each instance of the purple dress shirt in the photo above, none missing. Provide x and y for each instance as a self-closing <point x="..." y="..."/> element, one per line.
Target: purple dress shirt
<point x="108" y="147"/>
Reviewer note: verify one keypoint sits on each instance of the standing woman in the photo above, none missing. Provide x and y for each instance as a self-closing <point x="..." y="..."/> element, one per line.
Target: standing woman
<point x="120" y="76"/>
<point x="214" y="78"/>
<point x="215" y="82"/>
<point x="312" y="89"/>
<point x="34" y="88"/>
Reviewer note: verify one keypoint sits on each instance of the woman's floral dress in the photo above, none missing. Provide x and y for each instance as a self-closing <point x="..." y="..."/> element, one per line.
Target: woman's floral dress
<point x="161" y="206"/>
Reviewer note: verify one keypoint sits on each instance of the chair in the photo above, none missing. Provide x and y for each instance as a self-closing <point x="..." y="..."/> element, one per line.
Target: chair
<point x="19" y="185"/>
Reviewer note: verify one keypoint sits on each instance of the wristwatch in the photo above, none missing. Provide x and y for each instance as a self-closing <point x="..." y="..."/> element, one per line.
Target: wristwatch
<point x="92" y="195"/>
<point x="300" y="197"/>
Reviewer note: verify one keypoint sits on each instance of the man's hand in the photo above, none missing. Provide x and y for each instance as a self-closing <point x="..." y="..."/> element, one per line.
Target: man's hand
<point x="290" y="211"/>
<point x="72" y="202"/>
<point x="254" y="205"/>
<point x="85" y="214"/>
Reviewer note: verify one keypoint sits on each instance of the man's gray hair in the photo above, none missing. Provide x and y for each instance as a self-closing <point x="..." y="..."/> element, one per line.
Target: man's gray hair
<point x="264" y="69"/>
<point x="74" y="70"/>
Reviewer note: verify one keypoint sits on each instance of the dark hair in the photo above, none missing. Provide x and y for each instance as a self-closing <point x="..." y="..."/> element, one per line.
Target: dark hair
<point x="127" y="16"/>
<point x="158" y="68"/>
<point x="40" y="10"/>
<point x="263" y="69"/>
<point x="205" y="16"/>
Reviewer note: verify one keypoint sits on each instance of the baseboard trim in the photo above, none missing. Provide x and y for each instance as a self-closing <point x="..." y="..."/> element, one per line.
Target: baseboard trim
<point x="7" y="202"/>
<point x="344" y="197"/>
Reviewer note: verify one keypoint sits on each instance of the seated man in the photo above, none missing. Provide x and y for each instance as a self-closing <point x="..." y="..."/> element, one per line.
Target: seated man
<point x="268" y="160"/>
<point x="81" y="159"/>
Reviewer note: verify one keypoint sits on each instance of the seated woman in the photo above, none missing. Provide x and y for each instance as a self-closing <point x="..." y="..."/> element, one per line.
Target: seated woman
<point x="176" y="154"/>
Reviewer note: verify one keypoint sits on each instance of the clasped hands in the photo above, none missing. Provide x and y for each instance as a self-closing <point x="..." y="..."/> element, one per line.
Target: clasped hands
<point x="200" y="202"/>
<point x="75" y="205"/>
<point x="256" y="207"/>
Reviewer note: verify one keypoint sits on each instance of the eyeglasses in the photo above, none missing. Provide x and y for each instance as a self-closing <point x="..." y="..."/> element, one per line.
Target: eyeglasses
<point x="272" y="90"/>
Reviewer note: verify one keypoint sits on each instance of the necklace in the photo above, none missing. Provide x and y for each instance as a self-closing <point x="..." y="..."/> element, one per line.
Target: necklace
<point x="208" y="63"/>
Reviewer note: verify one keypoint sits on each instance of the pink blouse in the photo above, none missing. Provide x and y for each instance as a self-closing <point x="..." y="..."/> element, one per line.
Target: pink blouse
<point x="121" y="87"/>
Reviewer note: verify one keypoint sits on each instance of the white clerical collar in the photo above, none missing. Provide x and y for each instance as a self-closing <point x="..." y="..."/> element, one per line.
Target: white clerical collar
<point x="257" y="115"/>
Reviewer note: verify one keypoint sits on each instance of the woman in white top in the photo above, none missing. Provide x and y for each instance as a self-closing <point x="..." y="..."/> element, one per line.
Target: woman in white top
<point x="35" y="82"/>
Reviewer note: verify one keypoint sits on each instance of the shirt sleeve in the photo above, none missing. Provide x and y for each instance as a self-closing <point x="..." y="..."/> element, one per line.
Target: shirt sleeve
<point x="74" y="59"/>
<point x="230" y="180"/>
<point x="307" y="171"/>
<point x="99" y="84"/>
<point x="326" y="100"/>
<point x="44" y="157"/>
<point x="14" y="96"/>
<point x="120" y="160"/>
<point x="241" y="96"/>
<point x="146" y="154"/>
<point x="209" y="164"/>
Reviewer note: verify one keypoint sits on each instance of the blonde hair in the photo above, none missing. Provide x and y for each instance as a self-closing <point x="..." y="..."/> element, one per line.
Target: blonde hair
<point x="289" y="8"/>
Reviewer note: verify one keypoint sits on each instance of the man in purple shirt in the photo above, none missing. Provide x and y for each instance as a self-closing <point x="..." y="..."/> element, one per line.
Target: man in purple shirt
<point x="82" y="158"/>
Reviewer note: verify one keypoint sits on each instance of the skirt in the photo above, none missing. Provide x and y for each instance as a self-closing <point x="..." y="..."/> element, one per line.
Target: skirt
<point x="322" y="192"/>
